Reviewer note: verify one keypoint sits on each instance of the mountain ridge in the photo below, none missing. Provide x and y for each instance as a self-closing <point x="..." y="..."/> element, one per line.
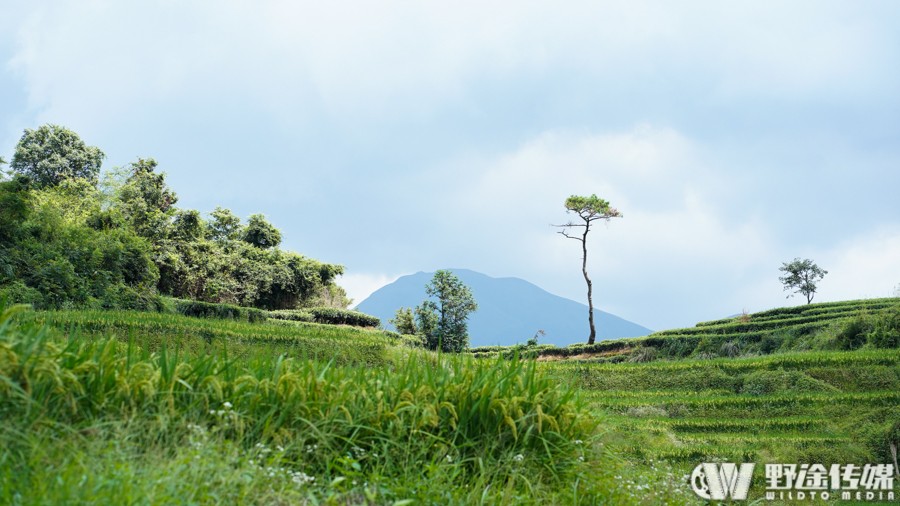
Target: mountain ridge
<point x="511" y="310"/>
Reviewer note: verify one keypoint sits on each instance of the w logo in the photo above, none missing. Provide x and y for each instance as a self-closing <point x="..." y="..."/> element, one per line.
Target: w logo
<point x="719" y="481"/>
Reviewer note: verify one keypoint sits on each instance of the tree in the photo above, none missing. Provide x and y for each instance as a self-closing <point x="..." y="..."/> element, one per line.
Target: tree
<point x="442" y="320"/>
<point x="52" y="154"/>
<point x="146" y="201"/>
<point x="3" y="174"/>
<point x="801" y="276"/>
<point x="224" y="225"/>
<point x="187" y="226"/>
<point x="261" y="233"/>
<point x="404" y="321"/>
<point x="589" y="210"/>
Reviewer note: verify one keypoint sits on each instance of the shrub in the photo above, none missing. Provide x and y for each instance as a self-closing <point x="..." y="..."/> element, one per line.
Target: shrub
<point x="335" y="316"/>
<point x="781" y="381"/>
<point x="200" y="309"/>
<point x="293" y="315"/>
<point x="643" y="354"/>
<point x="18" y="293"/>
<point x="886" y="329"/>
<point x="852" y="334"/>
<point x="730" y="349"/>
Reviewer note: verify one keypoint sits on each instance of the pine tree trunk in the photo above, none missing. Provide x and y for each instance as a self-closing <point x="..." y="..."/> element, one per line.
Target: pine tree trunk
<point x="587" y="280"/>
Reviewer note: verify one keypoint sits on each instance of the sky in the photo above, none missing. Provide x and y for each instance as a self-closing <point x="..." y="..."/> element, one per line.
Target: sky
<point x="398" y="136"/>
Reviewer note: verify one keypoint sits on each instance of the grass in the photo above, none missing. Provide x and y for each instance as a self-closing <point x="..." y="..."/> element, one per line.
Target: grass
<point x="121" y="407"/>
<point x="822" y="407"/>
<point x="94" y="419"/>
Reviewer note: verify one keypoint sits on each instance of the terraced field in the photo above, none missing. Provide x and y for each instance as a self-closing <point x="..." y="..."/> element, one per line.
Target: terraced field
<point x="846" y="325"/>
<point x="827" y="407"/>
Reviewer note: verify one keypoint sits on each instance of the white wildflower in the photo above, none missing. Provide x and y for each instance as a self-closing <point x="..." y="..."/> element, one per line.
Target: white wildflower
<point x="227" y="405"/>
<point x="519" y="458"/>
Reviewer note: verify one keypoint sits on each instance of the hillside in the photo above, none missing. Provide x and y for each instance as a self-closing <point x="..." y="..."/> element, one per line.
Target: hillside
<point x="124" y="406"/>
<point x="510" y="310"/>
<point x="843" y="325"/>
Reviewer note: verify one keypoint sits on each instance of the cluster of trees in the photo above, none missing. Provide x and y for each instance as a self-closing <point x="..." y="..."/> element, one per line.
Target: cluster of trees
<point x="70" y="239"/>
<point x="441" y="321"/>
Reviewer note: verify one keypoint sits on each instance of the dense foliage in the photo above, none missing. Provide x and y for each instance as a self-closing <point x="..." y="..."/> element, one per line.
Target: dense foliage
<point x="67" y="241"/>
<point x="52" y="154"/>
<point x="442" y="319"/>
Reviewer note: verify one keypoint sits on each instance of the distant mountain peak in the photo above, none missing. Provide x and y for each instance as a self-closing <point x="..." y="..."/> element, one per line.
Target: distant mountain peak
<point x="510" y="310"/>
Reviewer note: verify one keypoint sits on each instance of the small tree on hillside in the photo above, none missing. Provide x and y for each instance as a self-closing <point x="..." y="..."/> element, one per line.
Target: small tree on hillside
<point x="404" y="321"/>
<point x="589" y="210"/>
<point x="443" y="320"/>
<point x="801" y="276"/>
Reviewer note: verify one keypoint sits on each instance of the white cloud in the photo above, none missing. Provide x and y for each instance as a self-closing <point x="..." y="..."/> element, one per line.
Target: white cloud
<point x="861" y="267"/>
<point x="360" y="285"/>
<point x="351" y="59"/>
<point x="674" y="226"/>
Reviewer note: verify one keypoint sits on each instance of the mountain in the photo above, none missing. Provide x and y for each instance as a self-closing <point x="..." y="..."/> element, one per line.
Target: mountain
<point x="510" y="311"/>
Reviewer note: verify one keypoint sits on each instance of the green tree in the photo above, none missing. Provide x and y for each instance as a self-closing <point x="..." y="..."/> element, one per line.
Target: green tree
<point x="443" y="320"/>
<point x="404" y="321"/>
<point x="261" y="233"/>
<point x="589" y="210"/>
<point x="223" y="225"/>
<point x="4" y="175"/>
<point x="187" y="226"/>
<point x="146" y="201"/>
<point x="51" y="154"/>
<point x="801" y="276"/>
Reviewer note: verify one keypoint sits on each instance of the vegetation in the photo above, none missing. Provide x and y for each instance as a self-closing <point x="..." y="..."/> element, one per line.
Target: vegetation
<point x="802" y="276"/>
<point x="589" y="209"/>
<point x="68" y="241"/>
<point x="91" y="419"/>
<point x="404" y="321"/>
<point x="846" y="325"/>
<point x="442" y="320"/>
<point x="52" y="154"/>
<point x="824" y="407"/>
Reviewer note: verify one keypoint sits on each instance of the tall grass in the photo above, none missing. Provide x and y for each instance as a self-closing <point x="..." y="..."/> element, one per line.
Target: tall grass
<point x="91" y="420"/>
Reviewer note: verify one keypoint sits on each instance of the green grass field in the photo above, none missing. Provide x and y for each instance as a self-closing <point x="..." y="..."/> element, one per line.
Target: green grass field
<point x="114" y="407"/>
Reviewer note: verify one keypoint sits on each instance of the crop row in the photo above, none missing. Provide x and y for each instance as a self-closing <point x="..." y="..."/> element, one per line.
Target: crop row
<point x="732" y="425"/>
<point x="753" y="325"/>
<point x="747" y="401"/>
<point x="825" y="309"/>
<point x="786" y="361"/>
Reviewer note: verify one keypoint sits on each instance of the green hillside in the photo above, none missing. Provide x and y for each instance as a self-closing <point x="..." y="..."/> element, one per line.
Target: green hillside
<point x="152" y="408"/>
<point x="846" y="325"/>
<point x="143" y="408"/>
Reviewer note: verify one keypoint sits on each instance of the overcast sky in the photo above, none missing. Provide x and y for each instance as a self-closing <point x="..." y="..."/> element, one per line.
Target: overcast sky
<point x="395" y="137"/>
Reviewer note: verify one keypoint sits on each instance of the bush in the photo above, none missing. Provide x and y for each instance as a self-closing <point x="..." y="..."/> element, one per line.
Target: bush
<point x="643" y="354"/>
<point x="293" y="315"/>
<point x="781" y="381"/>
<point x="125" y="297"/>
<point x="886" y="329"/>
<point x="200" y="309"/>
<point x="18" y="293"/>
<point x="852" y="334"/>
<point x="335" y="316"/>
